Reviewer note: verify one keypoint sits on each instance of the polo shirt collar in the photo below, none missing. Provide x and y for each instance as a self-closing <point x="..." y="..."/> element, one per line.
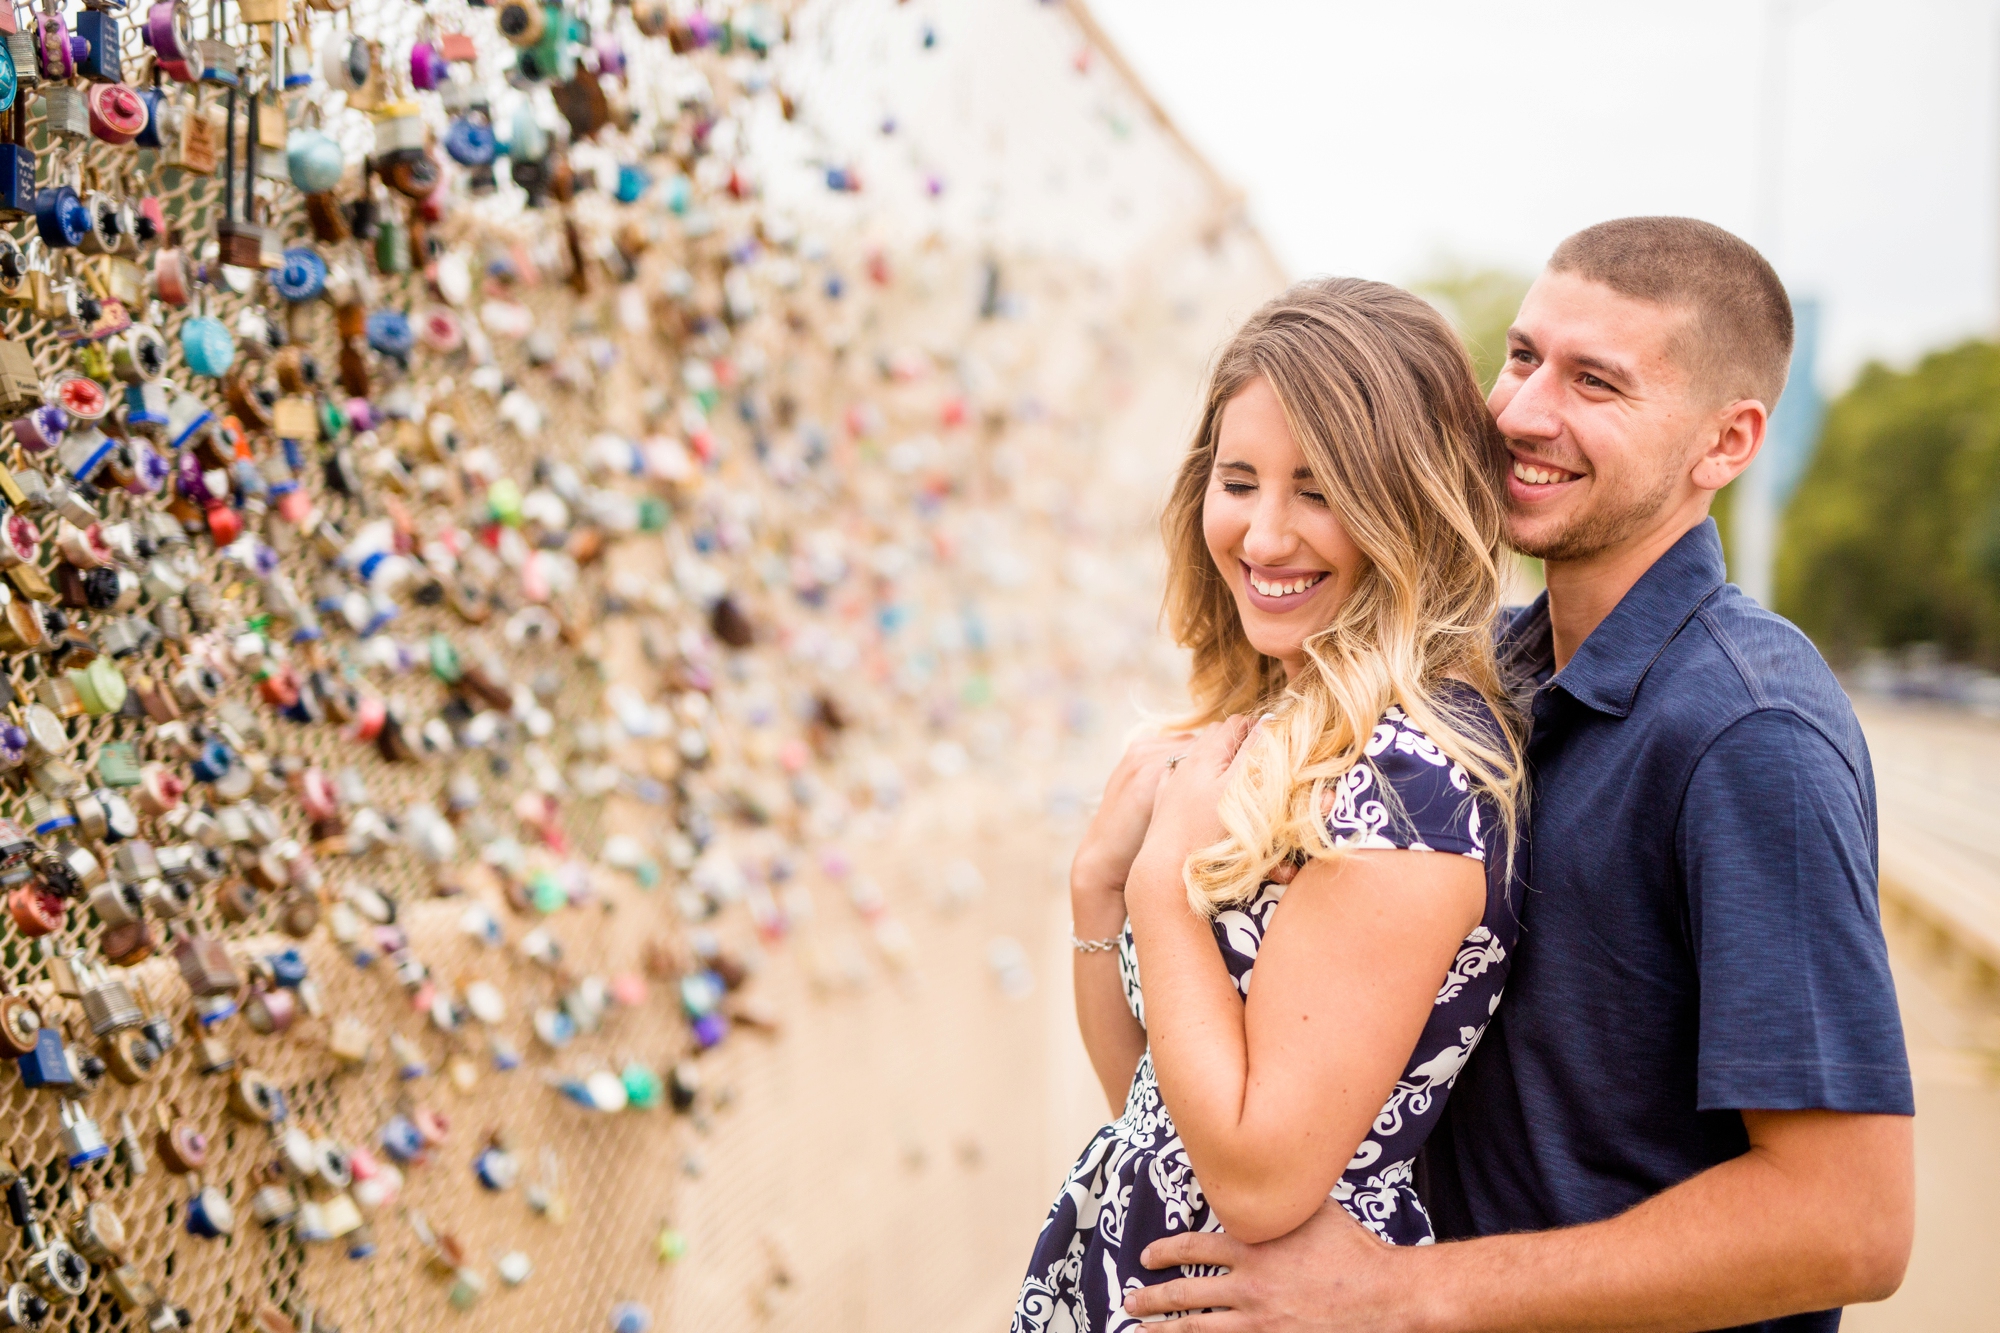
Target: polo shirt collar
<point x="1607" y="669"/>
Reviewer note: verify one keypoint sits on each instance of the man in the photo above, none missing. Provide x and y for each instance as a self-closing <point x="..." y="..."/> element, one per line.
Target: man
<point x="1692" y="1110"/>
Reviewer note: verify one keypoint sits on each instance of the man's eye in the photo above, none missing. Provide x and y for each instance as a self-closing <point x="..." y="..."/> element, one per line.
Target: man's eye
<point x="1521" y="354"/>
<point x="1592" y="382"/>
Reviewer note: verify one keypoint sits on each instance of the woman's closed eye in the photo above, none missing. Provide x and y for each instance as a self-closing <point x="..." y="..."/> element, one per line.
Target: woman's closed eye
<point x="1231" y="486"/>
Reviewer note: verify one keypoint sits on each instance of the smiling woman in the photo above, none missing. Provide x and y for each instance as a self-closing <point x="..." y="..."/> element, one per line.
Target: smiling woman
<point x="1334" y="533"/>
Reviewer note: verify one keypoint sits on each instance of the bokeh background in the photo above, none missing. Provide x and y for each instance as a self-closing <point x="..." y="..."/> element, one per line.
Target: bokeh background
<point x="1099" y="192"/>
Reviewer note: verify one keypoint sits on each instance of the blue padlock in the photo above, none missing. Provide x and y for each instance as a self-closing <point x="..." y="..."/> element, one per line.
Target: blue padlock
<point x="496" y="1168"/>
<point x="470" y="142"/>
<point x="302" y="277"/>
<point x="60" y="218"/>
<point x="213" y="762"/>
<point x="101" y="64"/>
<point x="206" y="343"/>
<point x="632" y="182"/>
<point x="149" y="137"/>
<point x="209" y="1214"/>
<point x="390" y="334"/>
<point x="145" y="404"/>
<point x="401" y="1140"/>
<point x="288" y="967"/>
<point x="47" y="1066"/>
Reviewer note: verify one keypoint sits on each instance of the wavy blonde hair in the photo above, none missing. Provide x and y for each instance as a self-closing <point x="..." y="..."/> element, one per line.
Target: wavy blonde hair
<point x="1381" y="398"/>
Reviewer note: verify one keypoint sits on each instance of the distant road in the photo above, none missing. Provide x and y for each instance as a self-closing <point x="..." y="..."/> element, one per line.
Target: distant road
<point x="1937" y="775"/>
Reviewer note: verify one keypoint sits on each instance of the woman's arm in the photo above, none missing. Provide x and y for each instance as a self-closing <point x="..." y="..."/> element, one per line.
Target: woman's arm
<point x="1111" y="1035"/>
<point x="1272" y="1097"/>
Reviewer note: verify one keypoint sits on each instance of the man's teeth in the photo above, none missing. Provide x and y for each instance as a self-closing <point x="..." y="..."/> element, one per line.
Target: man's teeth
<point x="1540" y="476"/>
<point x="1285" y="588"/>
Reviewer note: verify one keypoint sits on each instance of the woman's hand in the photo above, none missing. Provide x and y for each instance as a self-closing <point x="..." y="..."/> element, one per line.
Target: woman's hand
<point x="1116" y="832"/>
<point x="1185" y="807"/>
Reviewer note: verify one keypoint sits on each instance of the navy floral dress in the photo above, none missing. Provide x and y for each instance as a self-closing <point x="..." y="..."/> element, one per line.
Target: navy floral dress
<point x="1133" y="1184"/>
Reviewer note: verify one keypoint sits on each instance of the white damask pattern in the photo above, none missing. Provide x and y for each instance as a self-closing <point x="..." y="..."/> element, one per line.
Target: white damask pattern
<point x="1134" y="1183"/>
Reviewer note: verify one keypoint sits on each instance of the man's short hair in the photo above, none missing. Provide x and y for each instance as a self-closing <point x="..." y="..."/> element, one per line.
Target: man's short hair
<point x="1738" y="341"/>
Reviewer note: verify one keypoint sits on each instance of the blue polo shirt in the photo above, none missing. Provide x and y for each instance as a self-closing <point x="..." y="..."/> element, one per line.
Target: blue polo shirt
<point x="1701" y="933"/>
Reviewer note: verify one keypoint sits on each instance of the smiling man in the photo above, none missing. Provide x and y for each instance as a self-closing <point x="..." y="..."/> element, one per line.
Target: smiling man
<point x="1691" y="1110"/>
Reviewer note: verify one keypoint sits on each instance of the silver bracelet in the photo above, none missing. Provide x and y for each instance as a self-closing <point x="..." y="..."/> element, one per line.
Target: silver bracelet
<point x="1095" y="946"/>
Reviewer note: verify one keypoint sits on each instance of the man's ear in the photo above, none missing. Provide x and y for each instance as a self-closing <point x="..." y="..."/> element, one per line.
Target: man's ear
<point x="1740" y="429"/>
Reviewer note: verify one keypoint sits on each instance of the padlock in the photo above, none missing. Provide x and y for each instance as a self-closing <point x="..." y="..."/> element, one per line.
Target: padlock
<point x="20" y="385"/>
<point x="101" y="63"/>
<point x="61" y="221"/>
<point x="108" y="1003"/>
<point x="273" y="1206"/>
<point x="66" y="109"/>
<point x="209" y="1214"/>
<point x="206" y="966"/>
<point x="138" y="356"/>
<point x="169" y="31"/>
<point x="128" y="1286"/>
<point x="181" y="1146"/>
<point x="194" y="149"/>
<point x="98" y="1233"/>
<point x="255" y="1098"/>
<point x="14" y="290"/>
<point x="240" y="241"/>
<point x="117" y="114"/>
<point x="82" y="1143"/>
<point x="132" y="1055"/>
<point x="55" y="58"/>
<point x="20" y="1024"/>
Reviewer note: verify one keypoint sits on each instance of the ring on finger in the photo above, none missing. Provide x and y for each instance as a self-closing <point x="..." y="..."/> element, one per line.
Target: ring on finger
<point x="1175" y="760"/>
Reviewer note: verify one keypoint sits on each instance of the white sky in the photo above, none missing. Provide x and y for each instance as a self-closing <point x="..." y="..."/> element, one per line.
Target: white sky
<point x="1372" y="137"/>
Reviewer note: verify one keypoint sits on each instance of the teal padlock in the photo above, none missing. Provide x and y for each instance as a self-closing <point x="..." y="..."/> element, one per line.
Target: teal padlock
<point x="208" y="346"/>
<point x="314" y="159"/>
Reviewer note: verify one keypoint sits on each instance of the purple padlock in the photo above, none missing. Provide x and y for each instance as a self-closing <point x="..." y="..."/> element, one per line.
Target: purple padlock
<point x="13" y="745"/>
<point x="169" y="31"/>
<point x="149" y="469"/>
<point x="190" y="481"/>
<point x="428" y="68"/>
<point x="610" y="57"/>
<point x="55" y="55"/>
<point x="42" y="429"/>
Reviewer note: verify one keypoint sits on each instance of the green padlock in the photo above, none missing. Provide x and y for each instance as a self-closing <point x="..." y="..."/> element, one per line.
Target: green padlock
<point x="392" y="246"/>
<point x="642" y="1086"/>
<point x="101" y="687"/>
<point x="445" y="664"/>
<point x="118" y="764"/>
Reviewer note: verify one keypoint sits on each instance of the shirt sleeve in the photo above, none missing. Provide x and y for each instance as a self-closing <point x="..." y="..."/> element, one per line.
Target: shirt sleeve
<point x="1408" y="794"/>
<point x="1798" y="1011"/>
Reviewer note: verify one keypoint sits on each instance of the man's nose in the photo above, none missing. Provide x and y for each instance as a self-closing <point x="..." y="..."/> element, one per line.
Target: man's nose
<point x="1533" y="411"/>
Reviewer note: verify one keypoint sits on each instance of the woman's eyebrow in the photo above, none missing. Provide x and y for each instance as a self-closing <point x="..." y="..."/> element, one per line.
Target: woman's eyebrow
<point x="1236" y="467"/>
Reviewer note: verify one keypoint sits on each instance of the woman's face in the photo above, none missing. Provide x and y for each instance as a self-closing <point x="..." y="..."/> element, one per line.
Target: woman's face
<point x="1272" y="534"/>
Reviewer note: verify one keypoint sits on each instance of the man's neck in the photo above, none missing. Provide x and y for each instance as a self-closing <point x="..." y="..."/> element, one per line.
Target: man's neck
<point x="1583" y="592"/>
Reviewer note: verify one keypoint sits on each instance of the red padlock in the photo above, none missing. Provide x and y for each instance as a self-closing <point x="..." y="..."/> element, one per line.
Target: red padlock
<point x="170" y="277"/>
<point x="82" y="397"/>
<point x="280" y="688"/>
<point x="159" y="790"/>
<point x="35" y="910"/>
<point x="224" y="524"/>
<point x="369" y="718"/>
<point x="270" y="1011"/>
<point x="318" y="795"/>
<point x="116" y="113"/>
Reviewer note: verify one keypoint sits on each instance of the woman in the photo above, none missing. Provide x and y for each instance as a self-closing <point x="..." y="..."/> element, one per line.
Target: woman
<point x="1335" y="541"/>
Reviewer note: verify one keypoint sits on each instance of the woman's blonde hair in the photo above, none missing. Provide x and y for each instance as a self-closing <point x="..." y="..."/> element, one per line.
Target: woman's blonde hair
<point x="1380" y="395"/>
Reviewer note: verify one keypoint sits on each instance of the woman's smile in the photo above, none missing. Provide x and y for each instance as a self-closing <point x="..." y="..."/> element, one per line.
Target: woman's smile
<point x="1279" y="591"/>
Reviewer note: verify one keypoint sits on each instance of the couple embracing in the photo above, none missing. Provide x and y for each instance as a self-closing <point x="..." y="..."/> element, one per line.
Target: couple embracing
<point x="1572" y="1008"/>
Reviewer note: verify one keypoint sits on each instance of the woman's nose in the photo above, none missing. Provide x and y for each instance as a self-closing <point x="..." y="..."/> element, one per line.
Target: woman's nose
<point x="1270" y="540"/>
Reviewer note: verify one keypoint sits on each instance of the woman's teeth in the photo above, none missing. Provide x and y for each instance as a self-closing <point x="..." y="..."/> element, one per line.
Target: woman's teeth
<point x="1540" y="476"/>
<point x="1287" y="587"/>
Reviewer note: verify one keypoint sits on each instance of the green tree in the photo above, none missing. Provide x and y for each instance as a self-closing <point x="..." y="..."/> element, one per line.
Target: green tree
<point x="1894" y="534"/>
<point x="1481" y="304"/>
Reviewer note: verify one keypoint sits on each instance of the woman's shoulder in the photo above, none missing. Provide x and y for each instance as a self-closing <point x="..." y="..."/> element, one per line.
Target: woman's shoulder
<point x="1408" y="792"/>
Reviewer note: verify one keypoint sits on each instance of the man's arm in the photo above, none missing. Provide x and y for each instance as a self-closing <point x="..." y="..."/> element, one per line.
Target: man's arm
<point x="1818" y="1213"/>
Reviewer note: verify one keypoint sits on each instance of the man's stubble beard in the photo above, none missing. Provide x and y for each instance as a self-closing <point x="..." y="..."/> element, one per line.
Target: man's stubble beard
<point x="1598" y="528"/>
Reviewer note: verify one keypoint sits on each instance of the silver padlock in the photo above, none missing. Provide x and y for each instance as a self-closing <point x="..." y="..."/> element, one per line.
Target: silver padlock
<point x="108" y="1003"/>
<point x="23" y="1306"/>
<point x="67" y="110"/>
<point x="118" y="902"/>
<point x="82" y="1141"/>
<point x="57" y="1272"/>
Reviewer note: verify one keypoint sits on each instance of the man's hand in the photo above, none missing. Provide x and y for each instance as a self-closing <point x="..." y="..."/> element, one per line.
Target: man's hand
<point x="1328" y="1274"/>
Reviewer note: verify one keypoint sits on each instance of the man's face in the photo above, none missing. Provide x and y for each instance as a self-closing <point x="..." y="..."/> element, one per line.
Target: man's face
<point x="1599" y="418"/>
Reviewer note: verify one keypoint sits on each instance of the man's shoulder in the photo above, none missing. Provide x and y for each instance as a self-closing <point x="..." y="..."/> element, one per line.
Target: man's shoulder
<point x="1734" y="659"/>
